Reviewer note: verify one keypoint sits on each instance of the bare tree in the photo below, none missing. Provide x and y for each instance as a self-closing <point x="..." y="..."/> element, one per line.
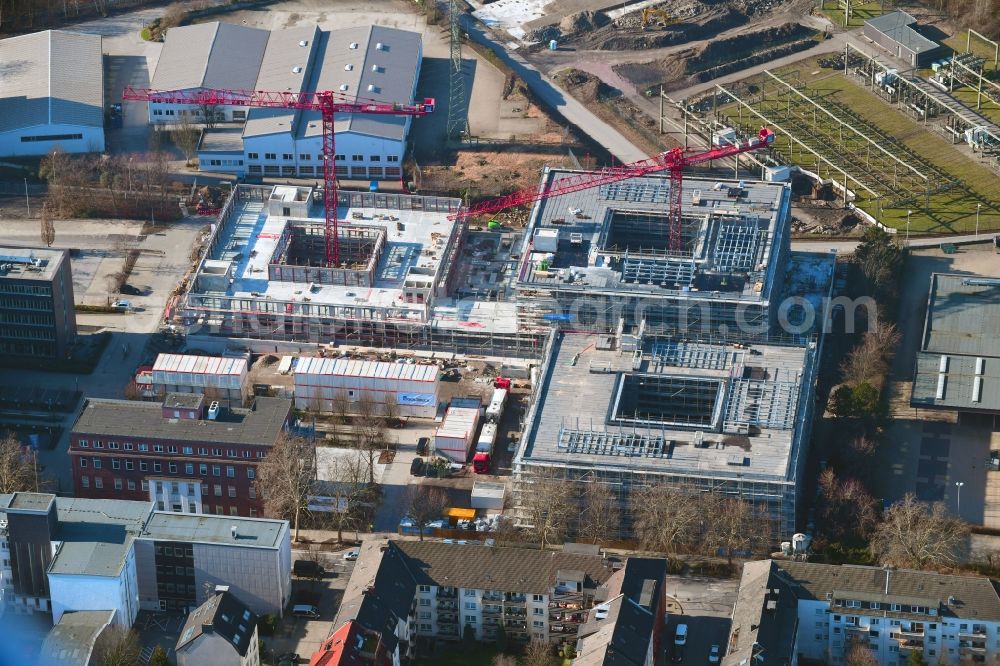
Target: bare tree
<point x="859" y="654"/>
<point x="186" y="137"/>
<point x="539" y="653"/>
<point x="424" y="504"/>
<point x="913" y="534"/>
<point x="48" y="230"/>
<point x="340" y="405"/>
<point x="345" y="477"/>
<point x="848" y="510"/>
<point x="285" y="478"/>
<point x="172" y="17"/>
<point x="735" y="526"/>
<point x="390" y="408"/>
<point x="869" y="361"/>
<point x="18" y="468"/>
<point x="548" y="502"/>
<point x="601" y="514"/>
<point x="507" y="533"/>
<point x="666" y="518"/>
<point x="117" y="646"/>
<point x="209" y="114"/>
<point x="503" y="660"/>
<point x="370" y="432"/>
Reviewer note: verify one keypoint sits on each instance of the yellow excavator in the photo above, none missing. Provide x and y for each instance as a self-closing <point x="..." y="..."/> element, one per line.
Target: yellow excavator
<point x="661" y="17"/>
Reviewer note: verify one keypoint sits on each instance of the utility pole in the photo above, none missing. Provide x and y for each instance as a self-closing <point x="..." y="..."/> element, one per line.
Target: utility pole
<point x="458" y="122"/>
<point x="958" y="508"/>
<point x="27" y="202"/>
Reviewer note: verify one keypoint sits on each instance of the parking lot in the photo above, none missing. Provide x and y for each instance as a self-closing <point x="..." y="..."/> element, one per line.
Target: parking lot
<point x="705" y="605"/>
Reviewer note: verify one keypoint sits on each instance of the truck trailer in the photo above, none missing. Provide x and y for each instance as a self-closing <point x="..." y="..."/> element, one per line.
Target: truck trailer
<point x="484" y="449"/>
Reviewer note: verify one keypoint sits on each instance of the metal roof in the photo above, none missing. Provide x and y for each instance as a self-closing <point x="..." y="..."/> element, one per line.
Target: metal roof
<point x="221" y="140"/>
<point x="51" y="77"/>
<point x="198" y="528"/>
<point x="958" y="365"/>
<point x="414" y="372"/>
<point x="144" y="421"/>
<point x="210" y="55"/>
<point x="897" y="26"/>
<point x="285" y="53"/>
<point x="30" y="263"/>
<point x="206" y="365"/>
<point x="963" y="315"/>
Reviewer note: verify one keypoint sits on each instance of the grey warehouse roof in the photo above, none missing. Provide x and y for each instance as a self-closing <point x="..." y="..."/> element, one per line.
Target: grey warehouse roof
<point x="210" y="55"/>
<point x="260" y="425"/>
<point x="897" y="26"/>
<point x="958" y="365"/>
<point x="51" y="77"/>
<point x="197" y="528"/>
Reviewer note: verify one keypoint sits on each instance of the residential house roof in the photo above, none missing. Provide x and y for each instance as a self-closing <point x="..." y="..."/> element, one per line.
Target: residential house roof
<point x="518" y="570"/>
<point x="223" y="615"/>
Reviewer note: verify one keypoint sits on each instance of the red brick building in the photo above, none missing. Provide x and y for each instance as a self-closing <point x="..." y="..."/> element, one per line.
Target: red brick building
<point x="186" y="455"/>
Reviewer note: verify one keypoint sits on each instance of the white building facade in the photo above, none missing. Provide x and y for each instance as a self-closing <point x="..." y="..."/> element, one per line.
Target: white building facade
<point x="118" y="592"/>
<point x="410" y="388"/>
<point x="54" y="97"/>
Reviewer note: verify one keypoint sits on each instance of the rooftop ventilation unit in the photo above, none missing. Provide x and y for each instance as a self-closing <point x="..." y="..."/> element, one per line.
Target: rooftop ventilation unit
<point x="343" y="87"/>
<point x="354" y="45"/>
<point x="371" y="88"/>
<point x="348" y="67"/>
<point x="296" y="70"/>
<point x="303" y="43"/>
<point x="213" y="410"/>
<point x="380" y="46"/>
<point x="234" y="531"/>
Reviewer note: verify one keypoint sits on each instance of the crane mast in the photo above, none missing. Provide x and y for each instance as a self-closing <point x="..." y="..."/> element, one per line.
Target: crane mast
<point x="327" y="103"/>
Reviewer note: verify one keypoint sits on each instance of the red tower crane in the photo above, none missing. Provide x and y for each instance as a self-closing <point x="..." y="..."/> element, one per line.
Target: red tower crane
<point x="326" y="102"/>
<point x="674" y="160"/>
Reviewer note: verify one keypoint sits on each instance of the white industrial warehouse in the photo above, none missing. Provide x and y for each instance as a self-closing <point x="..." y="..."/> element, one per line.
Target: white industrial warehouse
<point x="372" y="63"/>
<point x="51" y="94"/>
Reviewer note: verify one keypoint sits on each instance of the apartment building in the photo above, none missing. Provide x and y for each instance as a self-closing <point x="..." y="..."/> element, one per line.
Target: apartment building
<point x="186" y="455"/>
<point x="439" y="589"/>
<point x="37" y="318"/>
<point x="797" y="610"/>
<point x="626" y="627"/>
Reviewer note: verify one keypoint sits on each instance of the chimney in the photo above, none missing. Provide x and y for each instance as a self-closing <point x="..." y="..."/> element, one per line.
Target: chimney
<point x="213" y="410"/>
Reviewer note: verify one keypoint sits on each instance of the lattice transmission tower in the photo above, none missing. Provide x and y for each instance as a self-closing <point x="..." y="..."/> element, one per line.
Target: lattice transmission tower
<point x="458" y="123"/>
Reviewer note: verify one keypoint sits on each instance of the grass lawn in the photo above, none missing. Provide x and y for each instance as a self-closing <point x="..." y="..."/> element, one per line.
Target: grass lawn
<point x="978" y="46"/>
<point x="949" y="212"/>
<point x="860" y="12"/>
<point x="460" y="655"/>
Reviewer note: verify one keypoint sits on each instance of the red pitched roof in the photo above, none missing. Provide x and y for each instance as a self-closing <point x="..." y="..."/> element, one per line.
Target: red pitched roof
<point x="341" y="648"/>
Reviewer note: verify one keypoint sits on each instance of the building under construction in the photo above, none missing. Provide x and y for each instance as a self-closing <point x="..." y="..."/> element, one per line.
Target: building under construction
<point x="264" y="276"/>
<point x="602" y="259"/>
<point x="726" y="418"/>
<point x="676" y="364"/>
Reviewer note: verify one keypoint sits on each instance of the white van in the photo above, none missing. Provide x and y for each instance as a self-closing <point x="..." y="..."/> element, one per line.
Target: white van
<point x="681" y="634"/>
<point x="305" y="610"/>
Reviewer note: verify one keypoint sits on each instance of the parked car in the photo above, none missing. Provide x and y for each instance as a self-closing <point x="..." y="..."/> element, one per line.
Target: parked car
<point x="352" y="555"/>
<point x="423" y="444"/>
<point x="308" y="569"/>
<point x="417" y="467"/>
<point x="129" y="290"/>
<point x="681" y="634"/>
<point x="305" y="610"/>
<point x="713" y="655"/>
